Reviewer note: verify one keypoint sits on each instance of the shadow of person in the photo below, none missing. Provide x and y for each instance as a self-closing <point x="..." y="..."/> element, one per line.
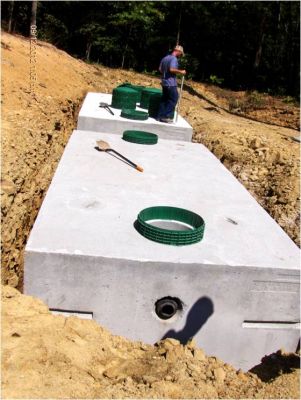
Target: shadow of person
<point x="197" y="316"/>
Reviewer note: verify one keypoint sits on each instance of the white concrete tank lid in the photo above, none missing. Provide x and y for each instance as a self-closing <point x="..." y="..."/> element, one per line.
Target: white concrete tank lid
<point x="94" y="200"/>
<point x="92" y="117"/>
<point x="85" y="256"/>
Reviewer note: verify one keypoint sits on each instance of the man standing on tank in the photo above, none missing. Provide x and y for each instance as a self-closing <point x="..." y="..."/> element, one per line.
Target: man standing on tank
<point x="169" y="67"/>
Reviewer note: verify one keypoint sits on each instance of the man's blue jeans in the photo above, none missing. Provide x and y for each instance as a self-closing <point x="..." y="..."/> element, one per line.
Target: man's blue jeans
<point x="169" y="101"/>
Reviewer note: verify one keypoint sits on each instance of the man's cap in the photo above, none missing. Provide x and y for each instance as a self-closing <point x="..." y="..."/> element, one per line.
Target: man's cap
<point x="179" y="48"/>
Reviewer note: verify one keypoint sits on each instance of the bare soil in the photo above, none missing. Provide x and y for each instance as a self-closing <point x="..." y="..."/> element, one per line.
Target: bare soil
<point x="48" y="356"/>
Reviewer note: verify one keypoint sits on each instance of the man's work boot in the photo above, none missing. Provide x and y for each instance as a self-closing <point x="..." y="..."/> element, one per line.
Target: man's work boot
<point x="166" y="120"/>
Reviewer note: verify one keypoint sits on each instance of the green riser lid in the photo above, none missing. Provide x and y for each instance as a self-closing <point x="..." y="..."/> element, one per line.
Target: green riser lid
<point x="168" y="236"/>
<point x="154" y="104"/>
<point x="124" y="97"/>
<point x="134" y="114"/>
<point x="140" y="137"/>
<point x="138" y="89"/>
<point x="145" y="96"/>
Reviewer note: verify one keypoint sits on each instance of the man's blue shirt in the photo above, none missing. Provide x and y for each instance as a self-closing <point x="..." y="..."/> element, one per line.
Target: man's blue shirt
<point x="169" y="61"/>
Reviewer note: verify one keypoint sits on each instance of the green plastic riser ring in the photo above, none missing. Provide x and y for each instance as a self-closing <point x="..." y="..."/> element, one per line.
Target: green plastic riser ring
<point x="138" y="88"/>
<point x="134" y="114"/>
<point x="192" y="222"/>
<point x="140" y="137"/>
<point x="154" y="104"/>
<point x="145" y="96"/>
<point x="124" y="97"/>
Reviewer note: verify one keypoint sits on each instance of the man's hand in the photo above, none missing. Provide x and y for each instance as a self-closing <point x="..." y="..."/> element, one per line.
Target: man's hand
<point x="178" y="71"/>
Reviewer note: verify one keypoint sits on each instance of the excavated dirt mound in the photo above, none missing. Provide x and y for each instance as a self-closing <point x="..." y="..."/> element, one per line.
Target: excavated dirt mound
<point x="264" y="158"/>
<point x="47" y="356"/>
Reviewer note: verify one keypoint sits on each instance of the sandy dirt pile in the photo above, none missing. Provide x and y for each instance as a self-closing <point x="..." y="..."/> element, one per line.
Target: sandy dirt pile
<point x="283" y="112"/>
<point x="46" y="356"/>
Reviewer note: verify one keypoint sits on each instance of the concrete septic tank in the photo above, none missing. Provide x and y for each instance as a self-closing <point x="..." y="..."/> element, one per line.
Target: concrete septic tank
<point x="94" y="118"/>
<point x="236" y="292"/>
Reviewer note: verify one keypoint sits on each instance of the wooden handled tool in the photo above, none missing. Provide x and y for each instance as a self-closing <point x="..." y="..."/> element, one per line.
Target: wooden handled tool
<point x="104" y="146"/>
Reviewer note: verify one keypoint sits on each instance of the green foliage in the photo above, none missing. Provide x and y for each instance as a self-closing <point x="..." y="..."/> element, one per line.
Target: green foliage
<point x="191" y="64"/>
<point x="251" y="45"/>
<point x="290" y="100"/>
<point x="137" y="15"/>
<point x="215" y="80"/>
<point x="91" y="30"/>
<point x="53" y="30"/>
<point x="252" y="100"/>
<point x="133" y="24"/>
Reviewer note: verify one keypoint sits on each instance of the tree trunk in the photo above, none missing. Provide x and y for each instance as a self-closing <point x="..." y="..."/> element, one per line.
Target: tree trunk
<point x="261" y="39"/>
<point x="88" y="50"/>
<point x="179" y="24"/>
<point x="10" y="18"/>
<point x="123" y="55"/>
<point x="278" y="14"/>
<point x="33" y="18"/>
<point x="290" y="50"/>
<point x="126" y="47"/>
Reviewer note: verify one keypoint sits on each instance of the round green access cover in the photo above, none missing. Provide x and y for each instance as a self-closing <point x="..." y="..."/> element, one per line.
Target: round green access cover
<point x="154" y="104"/>
<point x="134" y="114"/>
<point x="189" y="225"/>
<point x="124" y="97"/>
<point x="138" y="89"/>
<point x="145" y="96"/>
<point x="140" y="137"/>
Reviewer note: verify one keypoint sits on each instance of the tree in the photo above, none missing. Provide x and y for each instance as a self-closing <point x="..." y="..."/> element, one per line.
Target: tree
<point x="10" y="20"/>
<point x="244" y="44"/>
<point x="33" y="18"/>
<point x="260" y="43"/>
<point x="91" y="31"/>
<point x="179" y="24"/>
<point x="135" y="22"/>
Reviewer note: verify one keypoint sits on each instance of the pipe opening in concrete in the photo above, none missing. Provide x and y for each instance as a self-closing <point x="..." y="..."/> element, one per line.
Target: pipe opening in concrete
<point x="167" y="307"/>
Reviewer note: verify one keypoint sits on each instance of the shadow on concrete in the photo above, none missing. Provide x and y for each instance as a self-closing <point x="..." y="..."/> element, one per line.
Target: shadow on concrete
<point x="276" y="364"/>
<point x="197" y="317"/>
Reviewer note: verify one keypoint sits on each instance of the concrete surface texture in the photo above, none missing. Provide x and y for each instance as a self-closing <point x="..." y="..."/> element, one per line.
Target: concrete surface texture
<point x="94" y="118"/>
<point x="238" y="287"/>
